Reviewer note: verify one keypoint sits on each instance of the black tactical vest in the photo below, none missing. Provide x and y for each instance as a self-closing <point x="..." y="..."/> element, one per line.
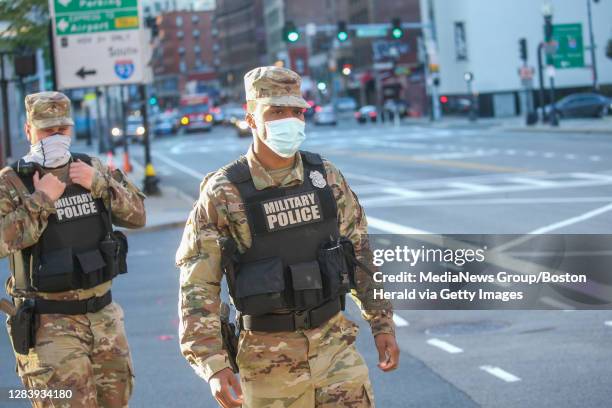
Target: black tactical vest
<point x="290" y="226"/>
<point x="76" y="250"/>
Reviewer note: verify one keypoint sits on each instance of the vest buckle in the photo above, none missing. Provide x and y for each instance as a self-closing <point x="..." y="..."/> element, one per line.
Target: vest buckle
<point x="301" y="320"/>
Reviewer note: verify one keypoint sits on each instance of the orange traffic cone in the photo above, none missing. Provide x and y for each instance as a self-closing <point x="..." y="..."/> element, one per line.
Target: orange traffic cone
<point x="127" y="166"/>
<point x="109" y="160"/>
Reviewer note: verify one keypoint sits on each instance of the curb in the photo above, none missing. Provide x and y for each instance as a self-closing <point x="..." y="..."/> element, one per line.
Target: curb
<point x="553" y="130"/>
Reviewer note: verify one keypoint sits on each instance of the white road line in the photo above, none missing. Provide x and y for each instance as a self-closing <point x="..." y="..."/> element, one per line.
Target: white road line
<point x="400" y="321"/>
<point x="549" y="155"/>
<point x="402" y="192"/>
<point x="570" y="156"/>
<point x="608" y="323"/>
<point x="503" y="201"/>
<point x="393" y="228"/>
<point x="470" y="186"/>
<point x="375" y="180"/>
<point x="531" y="181"/>
<point x="594" y="158"/>
<point x="444" y="345"/>
<point x="556" y="304"/>
<point x="592" y="176"/>
<point x="499" y="373"/>
<point x="573" y="220"/>
<point x="187" y="170"/>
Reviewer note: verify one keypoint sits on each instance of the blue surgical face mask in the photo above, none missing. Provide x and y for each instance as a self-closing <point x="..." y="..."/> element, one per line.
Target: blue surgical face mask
<point x="284" y="136"/>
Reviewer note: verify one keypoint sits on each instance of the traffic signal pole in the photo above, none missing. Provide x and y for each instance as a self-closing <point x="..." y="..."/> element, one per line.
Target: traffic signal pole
<point x="592" y="48"/>
<point x="150" y="180"/>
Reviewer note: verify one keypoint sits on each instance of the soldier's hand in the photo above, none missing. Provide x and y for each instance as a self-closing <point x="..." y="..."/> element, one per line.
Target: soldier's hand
<point x="221" y="386"/>
<point x="82" y="174"/>
<point x="50" y="185"/>
<point x="388" y="351"/>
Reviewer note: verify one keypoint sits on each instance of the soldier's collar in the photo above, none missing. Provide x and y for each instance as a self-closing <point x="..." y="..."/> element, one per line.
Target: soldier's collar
<point x="262" y="178"/>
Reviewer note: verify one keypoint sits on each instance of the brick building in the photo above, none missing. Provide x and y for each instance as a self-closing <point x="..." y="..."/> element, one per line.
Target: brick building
<point x="183" y="56"/>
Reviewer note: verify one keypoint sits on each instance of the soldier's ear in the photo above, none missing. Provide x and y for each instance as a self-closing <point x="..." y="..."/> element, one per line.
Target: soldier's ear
<point x="27" y="129"/>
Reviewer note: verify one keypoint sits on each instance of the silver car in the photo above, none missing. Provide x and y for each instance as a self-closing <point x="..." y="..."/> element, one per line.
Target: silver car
<point x="325" y="115"/>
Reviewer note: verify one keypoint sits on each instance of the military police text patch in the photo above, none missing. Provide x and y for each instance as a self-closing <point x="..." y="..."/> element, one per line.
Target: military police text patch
<point x="76" y="206"/>
<point x="292" y="211"/>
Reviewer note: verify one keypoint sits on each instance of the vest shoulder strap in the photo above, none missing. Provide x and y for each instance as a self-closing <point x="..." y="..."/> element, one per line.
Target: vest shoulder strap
<point x="311" y="158"/>
<point x="82" y="157"/>
<point x="237" y="171"/>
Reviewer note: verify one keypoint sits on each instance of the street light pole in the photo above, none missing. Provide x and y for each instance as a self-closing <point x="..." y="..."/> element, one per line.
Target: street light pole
<point x="593" y="54"/>
<point x="547" y="11"/>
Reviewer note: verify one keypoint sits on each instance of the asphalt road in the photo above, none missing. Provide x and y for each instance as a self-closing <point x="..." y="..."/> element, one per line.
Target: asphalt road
<point x="455" y="179"/>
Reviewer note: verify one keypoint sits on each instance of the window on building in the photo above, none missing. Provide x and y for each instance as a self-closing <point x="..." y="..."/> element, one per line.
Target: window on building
<point x="182" y="66"/>
<point x="214" y="32"/>
<point x="197" y="49"/>
<point x="180" y="34"/>
<point x="198" y="63"/>
<point x="181" y="50"/>
<point x="195" y="33"/>
<point x="216" y="47"/>
<point x="195" y="19"/>
<point x="179" y="21"/>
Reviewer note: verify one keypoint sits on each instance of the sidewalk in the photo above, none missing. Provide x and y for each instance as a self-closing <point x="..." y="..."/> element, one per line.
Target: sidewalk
<point x="170" y="209"/>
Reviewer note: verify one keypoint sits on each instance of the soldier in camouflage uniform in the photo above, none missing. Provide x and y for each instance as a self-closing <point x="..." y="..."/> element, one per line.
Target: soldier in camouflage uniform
<point x="315" y="367"/>
<point x="85" y="353"/>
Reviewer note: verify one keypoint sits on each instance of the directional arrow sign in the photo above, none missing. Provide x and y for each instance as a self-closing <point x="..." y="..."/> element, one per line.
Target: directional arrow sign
<point x="84" y="72"/>
<point x="106" y="35"/>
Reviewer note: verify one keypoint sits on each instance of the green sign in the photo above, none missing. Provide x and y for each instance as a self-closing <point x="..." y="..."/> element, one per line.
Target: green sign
<point x="94" y="16"/>
<point x="367" y="32"/>
<point x="569" y="47"/>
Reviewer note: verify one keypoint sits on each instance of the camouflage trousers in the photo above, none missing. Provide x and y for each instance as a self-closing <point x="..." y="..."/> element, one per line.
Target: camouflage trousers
<point x="87" y="354"/>
<point x="312" y="368"/>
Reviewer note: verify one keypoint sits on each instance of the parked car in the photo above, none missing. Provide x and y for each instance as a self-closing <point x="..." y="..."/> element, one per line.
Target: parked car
<point x="325" y="115"/>
<point x="242" y="128"/>
<point x="218" y="115"/>
<point x="346" y="104"/>
<point x="581" y="105"/>
<point x="165" y="124"/>
<point x="232" y="113"/>
<point x="196" y="117"/>
<point x="367" y="112"/>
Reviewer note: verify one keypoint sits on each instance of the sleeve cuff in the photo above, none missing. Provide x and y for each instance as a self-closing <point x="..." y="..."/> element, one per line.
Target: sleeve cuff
<point x="382" y="322"/>
<point x="212" y="365"/>
<point x="42" y="202"/>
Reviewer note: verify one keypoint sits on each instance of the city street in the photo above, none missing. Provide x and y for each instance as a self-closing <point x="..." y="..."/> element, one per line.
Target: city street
<point x="454" y="178"/>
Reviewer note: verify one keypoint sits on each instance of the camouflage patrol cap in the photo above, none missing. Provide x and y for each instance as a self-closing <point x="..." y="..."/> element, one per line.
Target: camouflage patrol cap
<point x="48" y="109"/>
<point x="275" y="86"/>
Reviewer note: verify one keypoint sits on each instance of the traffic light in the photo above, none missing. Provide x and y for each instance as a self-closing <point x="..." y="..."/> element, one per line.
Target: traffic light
<point x="548" y="28"/>
<point x="153" y="100"/>
<point x="397" y="31"/>
<point x="151" y="23"/>
<point x="347" y="69"/>
<point x="290" y="32"/>
<point x="609" y="49"/>
<point x="523" y="49"/>
<point x="342" y="31"/>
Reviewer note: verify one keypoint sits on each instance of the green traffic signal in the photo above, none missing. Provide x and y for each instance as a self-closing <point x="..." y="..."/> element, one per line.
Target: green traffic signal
<point x="152" y="101"/>
<point x="397" y="31"/>
<point x="342" y="31"/>
<point x="293" y="36"/>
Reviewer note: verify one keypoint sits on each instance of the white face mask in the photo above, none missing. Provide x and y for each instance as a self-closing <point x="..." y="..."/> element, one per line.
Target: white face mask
<point x="284" y="136"/>
<point x="52" y="151"/>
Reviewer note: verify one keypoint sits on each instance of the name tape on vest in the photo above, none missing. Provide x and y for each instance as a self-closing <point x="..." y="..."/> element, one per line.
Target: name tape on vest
<point x="75" y="206"/>
<point x="292" y="211"/>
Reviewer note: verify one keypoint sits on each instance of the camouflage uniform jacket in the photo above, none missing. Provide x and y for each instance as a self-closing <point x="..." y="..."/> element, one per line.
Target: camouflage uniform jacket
<point x="23" y="216"/>
<point x="219" y="212"/>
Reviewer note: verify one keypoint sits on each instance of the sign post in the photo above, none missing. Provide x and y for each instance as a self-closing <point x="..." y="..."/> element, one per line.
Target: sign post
<point x="97" y="42"/>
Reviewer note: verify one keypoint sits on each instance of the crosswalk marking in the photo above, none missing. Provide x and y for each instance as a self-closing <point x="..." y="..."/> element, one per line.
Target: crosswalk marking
<point x="444" y="345"/>
<point x="499" y="373"/>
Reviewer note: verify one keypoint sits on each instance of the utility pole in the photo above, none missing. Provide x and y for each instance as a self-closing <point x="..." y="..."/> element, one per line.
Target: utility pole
<point x="592" y="48"/>
<point x="547" y="12"/>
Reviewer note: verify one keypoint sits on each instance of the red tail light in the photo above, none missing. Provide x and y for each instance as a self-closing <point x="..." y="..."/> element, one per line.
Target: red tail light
<point x="318" y="109"/>
<point x="357" y="115"/>
<point x="372" y="114"/>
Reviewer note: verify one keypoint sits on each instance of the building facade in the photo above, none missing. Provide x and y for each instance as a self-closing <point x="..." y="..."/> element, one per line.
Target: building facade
<point x="483" y="38"/>
<point x="240" y="39"/>
<point x="183" y="59"/>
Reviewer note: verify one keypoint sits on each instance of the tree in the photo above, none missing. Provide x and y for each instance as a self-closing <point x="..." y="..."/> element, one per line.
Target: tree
<point x="28" y="24"/>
